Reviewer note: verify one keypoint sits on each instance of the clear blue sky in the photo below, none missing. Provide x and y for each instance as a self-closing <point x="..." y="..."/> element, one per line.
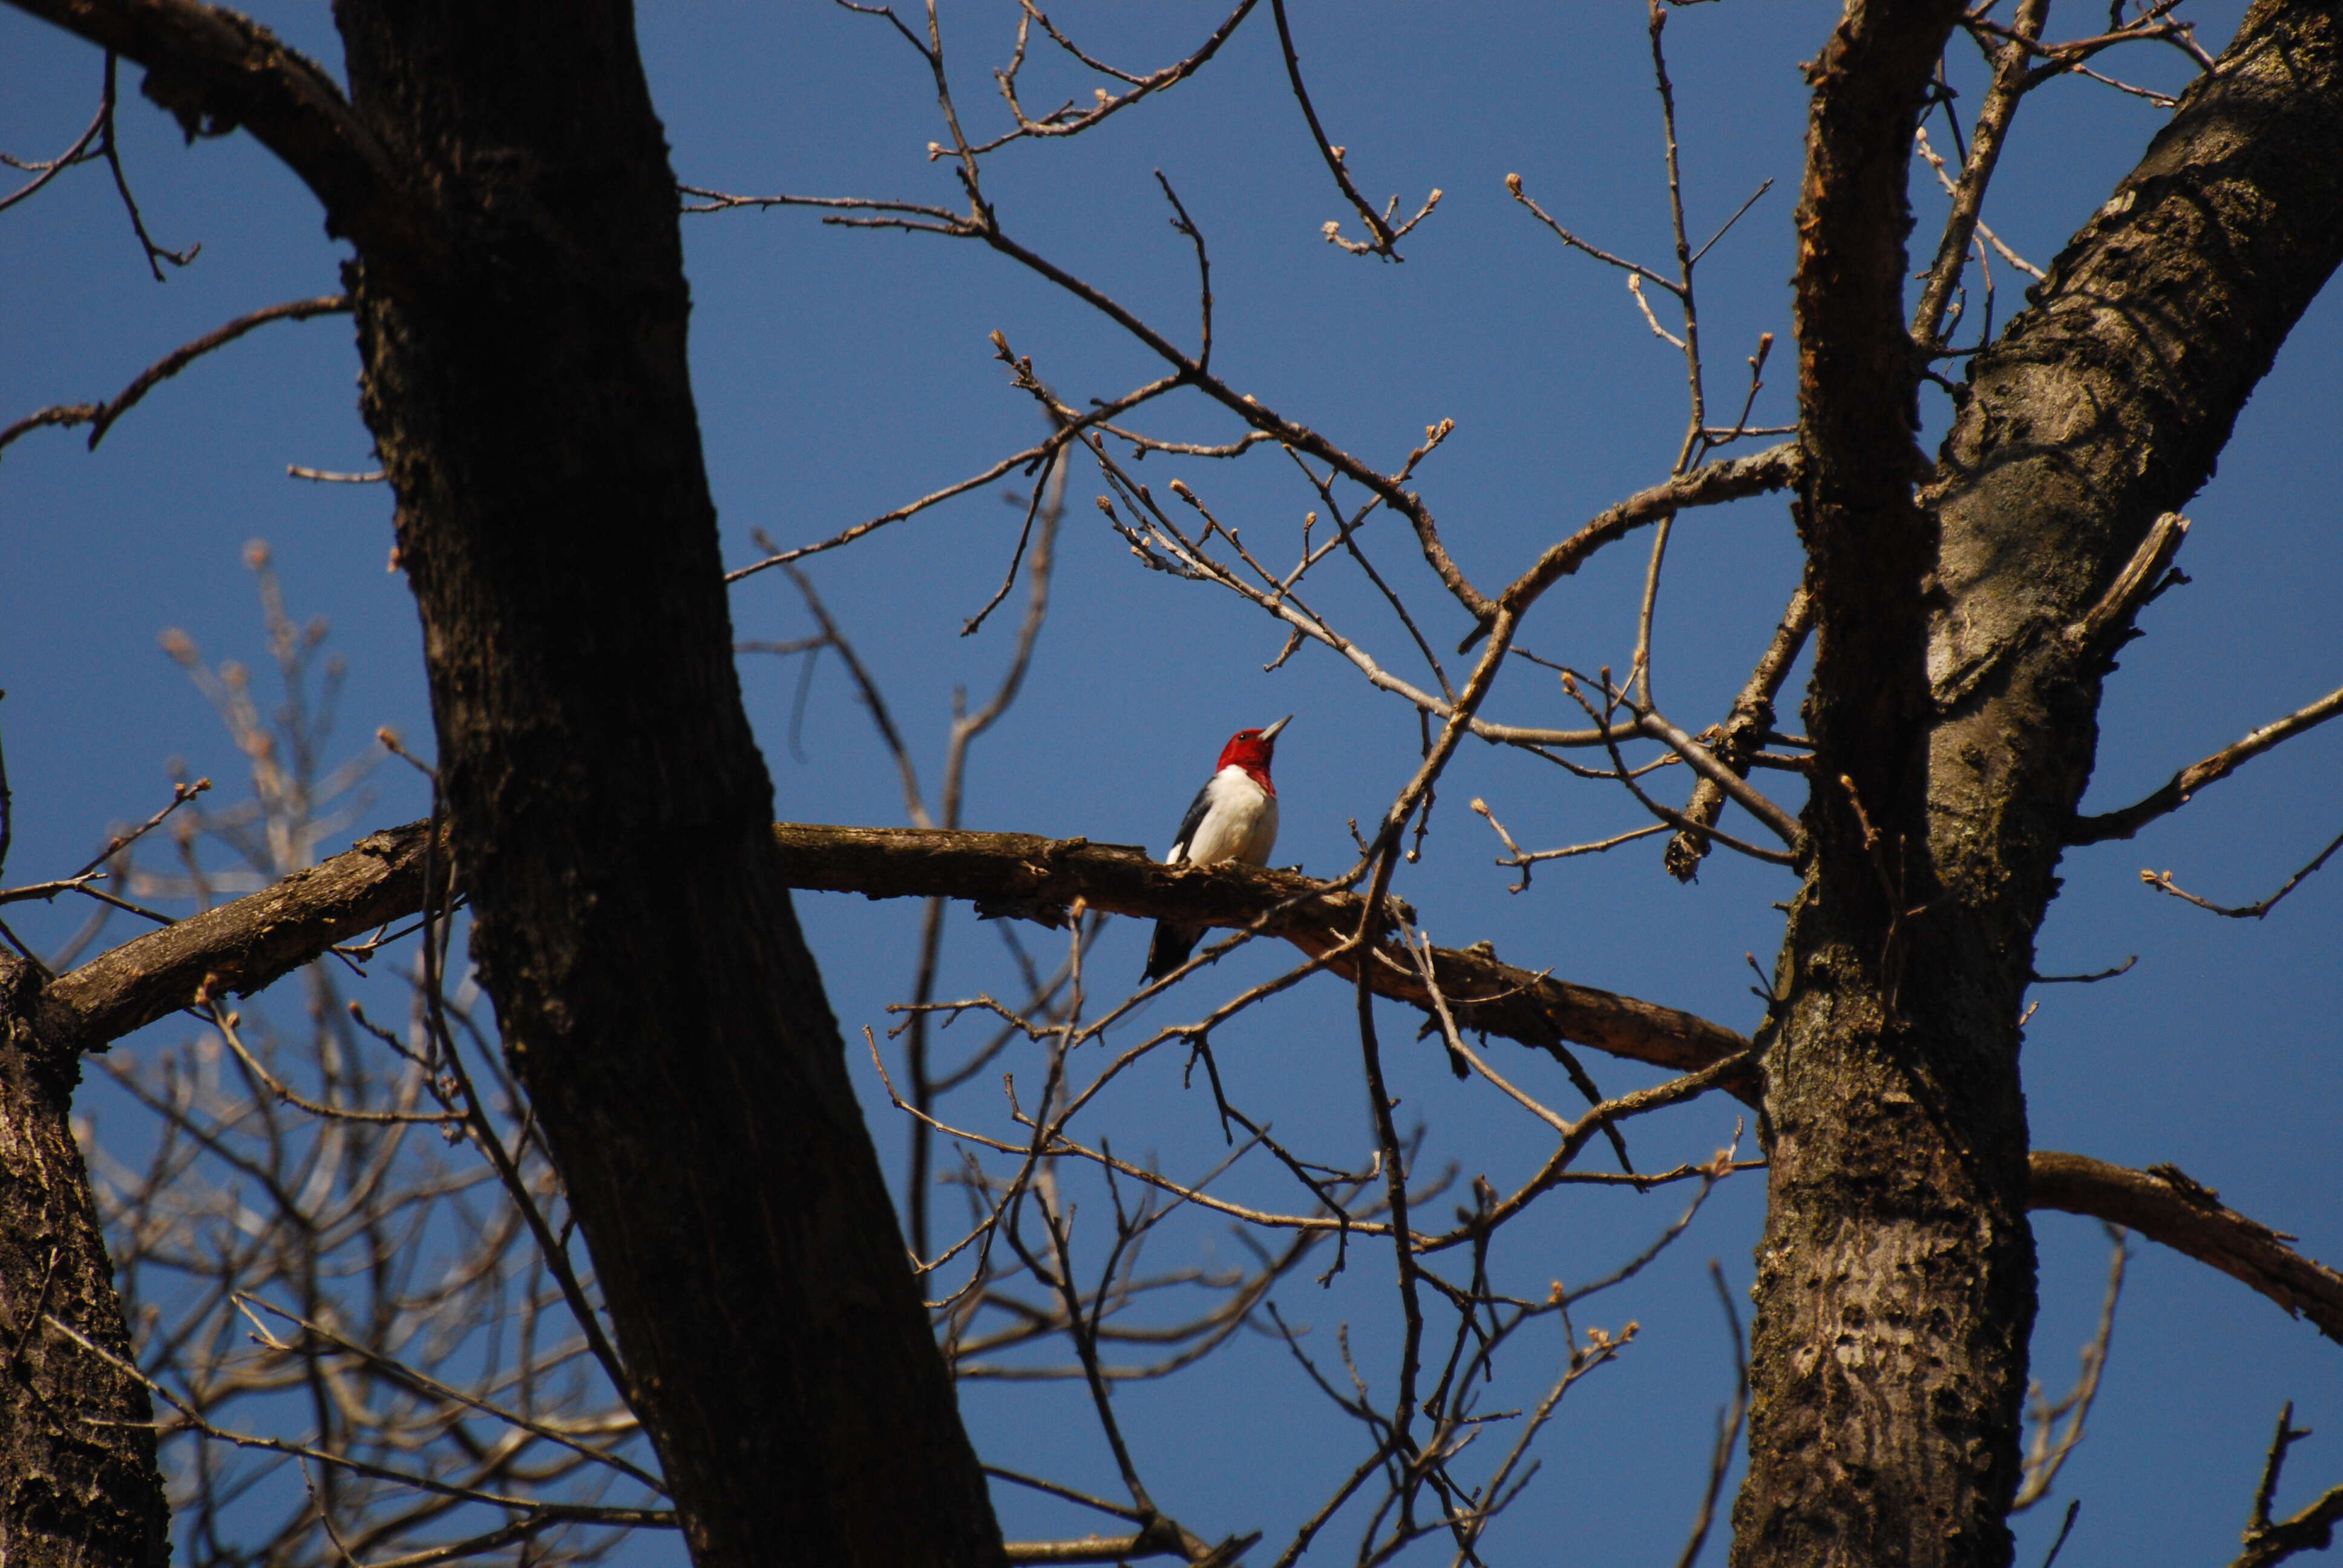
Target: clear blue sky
<point x="839" y="374"/>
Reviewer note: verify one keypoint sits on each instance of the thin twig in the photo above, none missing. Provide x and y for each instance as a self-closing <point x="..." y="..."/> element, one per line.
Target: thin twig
<point x="100" y="417"/>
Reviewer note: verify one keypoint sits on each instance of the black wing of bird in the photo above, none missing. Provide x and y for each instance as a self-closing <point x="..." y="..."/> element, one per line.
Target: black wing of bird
<point x="1189" y="823"/>
<point x="1172" y="942"/>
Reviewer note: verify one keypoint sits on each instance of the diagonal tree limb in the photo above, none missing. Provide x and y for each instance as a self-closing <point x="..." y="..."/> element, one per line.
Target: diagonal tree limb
<point x="2162" y="1202"/>
<point x="2181" y="786"/>
<point x="215" y="70"/>
<point x="1741" y="735"/>
<point x="240" y="946"/>
<point x="100" y="417"/>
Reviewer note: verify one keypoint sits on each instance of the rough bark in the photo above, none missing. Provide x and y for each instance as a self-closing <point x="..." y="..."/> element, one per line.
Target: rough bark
<point x="522" y="319"/>
<point x="526" y="378"/>
<point x="2101" y="410"/>
<point x="78" y="1483"/>
<point x="1895" y="1278"/>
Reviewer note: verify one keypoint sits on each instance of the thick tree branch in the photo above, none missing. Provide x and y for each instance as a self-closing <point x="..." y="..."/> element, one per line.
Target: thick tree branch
<point x="1035" y="876"/>
<point x="1868" y="545"/>
<point x="245" y="944"/>
<point x="240" y="946"/>
<point x="2165" y="1205"/>
<point x="1895" y="1168"/>
<point x="215" y="70"/>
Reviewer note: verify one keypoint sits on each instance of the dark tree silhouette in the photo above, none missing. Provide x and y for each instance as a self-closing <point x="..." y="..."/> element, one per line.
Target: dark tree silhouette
<point x="521" y="314"/>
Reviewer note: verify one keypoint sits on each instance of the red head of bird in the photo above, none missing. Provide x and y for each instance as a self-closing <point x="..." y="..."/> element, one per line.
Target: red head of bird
<point x="1251" y="749"/>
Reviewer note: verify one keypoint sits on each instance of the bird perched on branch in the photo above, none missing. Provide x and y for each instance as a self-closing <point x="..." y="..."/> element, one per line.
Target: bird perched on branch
<point x="1233" y="817"/>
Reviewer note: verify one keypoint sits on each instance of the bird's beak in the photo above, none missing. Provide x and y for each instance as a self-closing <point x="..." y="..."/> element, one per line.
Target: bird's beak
<point x="1270" y="734"/>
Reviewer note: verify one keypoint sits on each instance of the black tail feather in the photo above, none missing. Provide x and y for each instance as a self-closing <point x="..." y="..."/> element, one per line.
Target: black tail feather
<point x="1170" y="949"/>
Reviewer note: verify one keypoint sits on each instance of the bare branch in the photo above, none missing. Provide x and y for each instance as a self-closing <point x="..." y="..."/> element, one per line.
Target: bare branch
<point x="1728" y="1426"/>
<point x="2163" y="883"/>
<point x="1729" y="479"/>
<point x="2138" y="582"/>
<point x="1980" y="158"/>
<point x="2052" y="1446"/>
<point x="1045" y="452"/>
<point x="2312" y="1529"/>
<point x="2165" y="1205"/>
<point x="1705" y="762"/>
<point x="100" y="417"/>
<point x="47" y="169"/>
<point x="1743" y="731"/>
<point x="872" y="698"/>
<point x="1634" y="270"/>
<point x="1064" y="122"/>
<point x="1382" y="236"/>
<point x="215" y="69"/>
<point x="2184" y="785"/>
<point x="1523" y="860"/>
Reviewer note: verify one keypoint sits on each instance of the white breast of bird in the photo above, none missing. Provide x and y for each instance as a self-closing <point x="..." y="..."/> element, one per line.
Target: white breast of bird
<point x="1240" y="824"/>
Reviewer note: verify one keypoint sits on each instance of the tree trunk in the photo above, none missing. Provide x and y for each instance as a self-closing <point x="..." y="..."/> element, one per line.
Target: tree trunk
<point x="1895" y="1277"/>
<point x="528" y="389"/>
<point x="78" y="1483"/>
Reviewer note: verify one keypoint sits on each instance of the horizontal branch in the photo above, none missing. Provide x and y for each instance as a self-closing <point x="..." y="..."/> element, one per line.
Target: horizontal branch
<point x="1120" y="1549"/>
<point x="1089" y="1549"/>
<point x="1037" y="877"/>
<point x="244" y="945"/>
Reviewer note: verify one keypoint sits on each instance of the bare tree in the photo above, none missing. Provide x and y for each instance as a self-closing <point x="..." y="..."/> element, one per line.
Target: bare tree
<point x="652" y="994"/>
<point x="351" y="1233"/>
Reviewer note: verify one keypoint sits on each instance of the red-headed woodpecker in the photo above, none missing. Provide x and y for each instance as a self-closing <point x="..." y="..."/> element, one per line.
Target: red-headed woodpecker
<point x="1233" y="817"/>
